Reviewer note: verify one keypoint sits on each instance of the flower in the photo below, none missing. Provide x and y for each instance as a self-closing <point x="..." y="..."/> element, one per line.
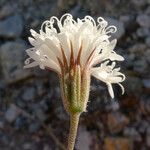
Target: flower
<point x="76" y="50"/>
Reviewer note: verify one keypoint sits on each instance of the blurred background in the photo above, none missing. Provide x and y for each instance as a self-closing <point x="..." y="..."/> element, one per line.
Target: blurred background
<point x="31" y="112"/>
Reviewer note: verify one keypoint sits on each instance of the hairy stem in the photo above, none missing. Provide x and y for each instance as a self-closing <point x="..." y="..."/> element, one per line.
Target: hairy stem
<point x="74" y="121"/>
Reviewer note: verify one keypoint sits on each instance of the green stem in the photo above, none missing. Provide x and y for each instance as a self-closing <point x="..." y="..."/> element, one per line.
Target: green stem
<point x="74" y="121"/>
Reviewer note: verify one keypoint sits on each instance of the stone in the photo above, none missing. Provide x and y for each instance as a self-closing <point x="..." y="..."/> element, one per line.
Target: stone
<point x="12" y="113"/>
<point x="126" y="19"/>
<point x="78" y="12"/>
<point x="27" y="146"/>
<point x="5" y="140"/>
<point x="116" y="122"/>
<point x="20" y="122"/>
<point x="148" y="130"/>
<point x="120" y="27"/>
<point x="139" y="3"/>
<point x="147" y="41"/>
<point x="147" y="55"/>
<point x="11" y="27"/>
<point x="133" y="134"/>
<point x="64" y="4"/>
<point x="29" y="94"/>
<point x="148" y="137"/>
<point x="113" y="106"/>
<point x="1" y="124"/>
<point x="34" y="127"/>
<point x="2" y="85"/>
<point x="143" y="20"/>
<point x="43" y="105"/>
<point x="133" y="86"/>
<point x="144" y="107"/>
<point x="46" y="147"/>
<point x="129" y="60"/>
<point x="60" y="112"/>
<point x="129" y="101"/>
<point x="137" y="48"/>
<point x="2" y="90"/>
<point x="40" y="114"/>
<point x="143" y="32"/>
<point x="143" y="126"/>
<point x="148" y="140"/>
<point x="147" y="11"/>
<point x="12" y="61"/>
<point x="6" y="10"/>
<point x="118" y="143"/>
<point x="84" y="139"/>
<point x="146" y="83"/>
<point x="141" y="66"/>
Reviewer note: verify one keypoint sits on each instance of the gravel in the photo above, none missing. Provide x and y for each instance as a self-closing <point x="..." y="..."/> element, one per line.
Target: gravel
<point x="28" y="99"/>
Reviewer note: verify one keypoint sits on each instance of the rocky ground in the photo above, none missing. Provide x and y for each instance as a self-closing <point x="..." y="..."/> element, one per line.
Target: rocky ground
<point x="31" y="112"/>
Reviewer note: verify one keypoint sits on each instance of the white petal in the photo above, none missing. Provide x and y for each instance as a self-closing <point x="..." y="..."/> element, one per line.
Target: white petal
<point x="76" y="44"/>
<point x="32" y="41"/>
<point x="100" y="74"/>
<point x="114" y="56"/>
<point x="41" y="66"/>
<point x="110" y="89"/>
<point x="99" y="59"/>
<point x="115" y="79"/>
<point x="119" y="74"/>
<point x="105" y="63"/>
<point x="33" y="64"/>
<point x="32" y="53"/>
<point x="48" y="31"/>
<point x="112" y="44"/>
<point x="34" y="33"/>
<point x="53" y="46"/>
<point x="122" y="88"/>
<point x="44" y="50"/>
<point x="117" y="69"/>
<point x="65" y="44"/>
<point x="85" y="49"/>
<point x="113" y="65"/>
<point x="98" y="40"/>
<point x="51" y="64"/>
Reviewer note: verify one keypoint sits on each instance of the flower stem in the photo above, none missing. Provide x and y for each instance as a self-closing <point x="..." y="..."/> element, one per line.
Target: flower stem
<point x="74" y="121"/>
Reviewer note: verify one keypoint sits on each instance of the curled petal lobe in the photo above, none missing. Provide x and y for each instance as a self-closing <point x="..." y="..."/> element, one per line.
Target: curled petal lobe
<point x="110" y="90"/>
<point x="122" y="88"/>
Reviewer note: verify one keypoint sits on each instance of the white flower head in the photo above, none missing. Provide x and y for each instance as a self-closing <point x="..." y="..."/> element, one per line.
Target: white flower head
<point x="65" y="44"/>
